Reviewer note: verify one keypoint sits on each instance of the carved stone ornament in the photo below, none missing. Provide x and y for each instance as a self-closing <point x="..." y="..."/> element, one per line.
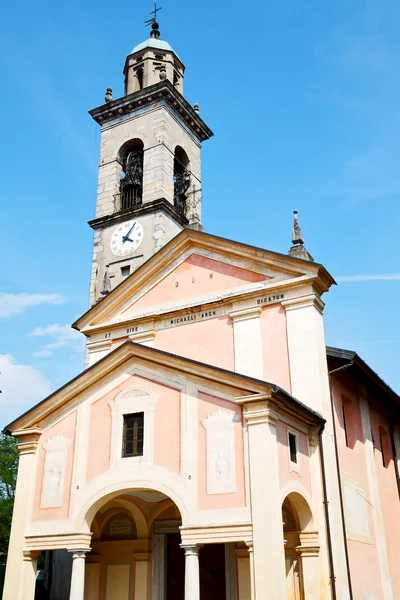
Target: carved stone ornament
<point x="55" y="465"/>
<point x="220" y="449"/>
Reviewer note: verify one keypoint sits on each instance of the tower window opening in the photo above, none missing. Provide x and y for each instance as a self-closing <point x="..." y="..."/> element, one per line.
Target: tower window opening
<point x="182" y="179"/>
<point x="131" y="184"/>
<point x="159" y="56"/>
<point x="139" y="75"/>
<point x="125" y="271"/>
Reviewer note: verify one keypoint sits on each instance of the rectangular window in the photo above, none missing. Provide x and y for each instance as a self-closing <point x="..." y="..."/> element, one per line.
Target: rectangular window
<point x="133" y="435"/>
<point x="125" y="271"/>
<point x="293" y="448"/>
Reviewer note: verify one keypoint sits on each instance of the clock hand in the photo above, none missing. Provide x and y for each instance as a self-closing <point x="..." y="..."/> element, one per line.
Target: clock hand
<point x="125" y="237"/>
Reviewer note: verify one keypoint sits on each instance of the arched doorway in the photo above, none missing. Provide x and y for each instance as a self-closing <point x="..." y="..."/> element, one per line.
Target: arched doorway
<point x="132" y="534"/>
<point x="292" y="562"/>
<point x="301" y="548"/>
<point x="136" y="552"/>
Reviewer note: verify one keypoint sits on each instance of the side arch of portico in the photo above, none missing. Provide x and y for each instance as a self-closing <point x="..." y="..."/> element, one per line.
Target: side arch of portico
<point x="295" y="495"/>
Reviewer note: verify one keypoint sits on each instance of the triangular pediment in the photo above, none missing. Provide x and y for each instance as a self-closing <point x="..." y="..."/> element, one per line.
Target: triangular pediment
<point x="196" y="269"/>
<point x="131" y="358"/>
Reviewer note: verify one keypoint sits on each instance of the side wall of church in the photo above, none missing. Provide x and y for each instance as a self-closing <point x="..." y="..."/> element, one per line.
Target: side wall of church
<point x="370" y="493"/>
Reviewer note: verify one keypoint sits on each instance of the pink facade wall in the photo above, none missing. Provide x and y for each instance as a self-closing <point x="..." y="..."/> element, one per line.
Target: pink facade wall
<point x="66" y="427"/>
<point x="388" y="491"/>
<point x="274" y="346"/>
<point x="208" y="341"/>
<point x="196" y="276"/>
<point x="353" y="462"/>
<point x="208" y="405"/>
<point x="285" y="474"/>
<point x="167" y="448"/>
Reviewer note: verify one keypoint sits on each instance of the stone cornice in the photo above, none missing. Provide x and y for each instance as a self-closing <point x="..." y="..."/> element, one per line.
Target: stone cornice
<point x="164" y="90"/>
<point x="256" y="413"/>
<point x="161" y="204"/>
<point x="63" y="541"/>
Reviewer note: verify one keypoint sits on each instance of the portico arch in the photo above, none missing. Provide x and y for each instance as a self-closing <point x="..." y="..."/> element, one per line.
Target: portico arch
<point x="301" y="548"/>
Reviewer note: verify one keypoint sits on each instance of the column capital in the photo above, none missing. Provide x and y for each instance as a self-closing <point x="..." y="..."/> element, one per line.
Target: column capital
<point x="143" y="337"/>
<point x="309" y="544"/>
<point x="249" y="544"/>
<point x="304" y="302"/>
<point x="79" y="552"/>
<point x="256" y="413"/>
<point x="31" y="555"/>
<point x="191" y="549"/>
<point x="29" y="439"/>
<point x="244" y="314"/>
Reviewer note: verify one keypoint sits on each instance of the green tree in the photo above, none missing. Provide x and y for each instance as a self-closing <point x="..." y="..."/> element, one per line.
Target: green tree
<point x="8" y="479"/>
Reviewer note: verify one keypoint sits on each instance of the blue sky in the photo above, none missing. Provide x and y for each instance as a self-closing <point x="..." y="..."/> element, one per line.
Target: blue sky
<point x="304" y="101"/>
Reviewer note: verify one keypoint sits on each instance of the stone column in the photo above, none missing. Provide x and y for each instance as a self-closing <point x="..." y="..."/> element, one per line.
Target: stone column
<point x="268" y="564"/>
<point x="78" y="574"/>
<point x="21" y="569"/>
<point x="247" y="341"/>
<point x="192" y="572"/>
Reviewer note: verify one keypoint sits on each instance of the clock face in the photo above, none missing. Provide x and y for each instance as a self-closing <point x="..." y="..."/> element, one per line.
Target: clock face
<point x="126" y="238"/>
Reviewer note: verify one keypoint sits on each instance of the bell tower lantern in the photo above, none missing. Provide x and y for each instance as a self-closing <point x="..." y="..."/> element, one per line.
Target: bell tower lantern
<point x="152" y="61"/>
<point x="149" y="185"/>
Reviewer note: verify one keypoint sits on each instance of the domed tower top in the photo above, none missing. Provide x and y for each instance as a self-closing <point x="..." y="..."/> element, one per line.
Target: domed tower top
<point x="153" y="61"/>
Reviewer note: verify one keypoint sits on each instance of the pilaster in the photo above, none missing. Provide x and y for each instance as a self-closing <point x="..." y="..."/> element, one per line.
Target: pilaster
<point x="19" y="581"/>
<point x="247" y="341"/>
<point x="269" y="554"/>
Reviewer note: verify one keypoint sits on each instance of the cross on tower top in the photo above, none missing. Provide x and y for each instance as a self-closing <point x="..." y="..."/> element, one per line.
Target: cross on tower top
<point x="154" y="13"/>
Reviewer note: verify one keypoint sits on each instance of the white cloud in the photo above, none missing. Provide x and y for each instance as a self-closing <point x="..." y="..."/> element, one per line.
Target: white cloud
<point x="63" y="336"/>
<point x="377" y="277"/>
<point x="15" y="304"/>
<point x="22" y="387"/>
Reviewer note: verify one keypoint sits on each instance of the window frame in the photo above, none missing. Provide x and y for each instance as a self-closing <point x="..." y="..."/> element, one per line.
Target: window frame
<point x="130" y="401"/>
<point x="138" y="423"/>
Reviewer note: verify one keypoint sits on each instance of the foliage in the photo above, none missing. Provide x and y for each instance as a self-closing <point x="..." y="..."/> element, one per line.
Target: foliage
<point x="8" y="478"/>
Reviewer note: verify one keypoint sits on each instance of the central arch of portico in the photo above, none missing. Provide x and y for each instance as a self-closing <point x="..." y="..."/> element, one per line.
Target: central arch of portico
<point x="136" y="550"/>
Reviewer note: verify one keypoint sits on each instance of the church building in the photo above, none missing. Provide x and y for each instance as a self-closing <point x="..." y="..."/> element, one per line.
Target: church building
<point x="213" y="447"/>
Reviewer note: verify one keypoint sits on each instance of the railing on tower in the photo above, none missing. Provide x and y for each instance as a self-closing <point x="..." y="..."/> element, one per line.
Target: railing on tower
<point x="181" y="186"/>
<point x="131" y="186"/>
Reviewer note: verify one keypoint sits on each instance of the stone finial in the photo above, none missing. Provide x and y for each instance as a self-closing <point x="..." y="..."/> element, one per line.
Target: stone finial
<point x="298" y="249"/>
<point x="154" y="33"/>
<point x="106" y="285"/>
<point x="196" y="107"/>
<point x="163" y="72"/>
<point x="108" y="97"/>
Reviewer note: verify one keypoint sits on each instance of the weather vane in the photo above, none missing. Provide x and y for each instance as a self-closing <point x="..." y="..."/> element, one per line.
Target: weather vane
<point x="154" y="13"/>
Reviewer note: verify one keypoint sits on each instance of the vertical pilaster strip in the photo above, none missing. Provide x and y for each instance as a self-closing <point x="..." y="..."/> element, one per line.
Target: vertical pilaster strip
<point x="18" y="581"/>
<point x="375" y="501"/>
<point x="247" y="341"/>
<point x="269" y="552"/>
<point x="310" y="384"/>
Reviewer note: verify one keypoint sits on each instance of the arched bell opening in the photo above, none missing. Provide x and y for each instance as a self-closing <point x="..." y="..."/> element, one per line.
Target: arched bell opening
<point x="182" y="179"/>
<point x="301" y="548"/>
<point x="131" y="183"/>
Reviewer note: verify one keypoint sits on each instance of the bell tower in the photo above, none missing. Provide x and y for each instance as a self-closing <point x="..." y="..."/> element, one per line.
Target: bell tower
<point x="149" y="185"/>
